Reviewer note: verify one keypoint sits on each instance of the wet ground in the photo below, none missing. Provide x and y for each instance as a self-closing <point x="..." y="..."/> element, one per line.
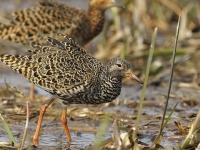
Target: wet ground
<point x="84" y="120"/>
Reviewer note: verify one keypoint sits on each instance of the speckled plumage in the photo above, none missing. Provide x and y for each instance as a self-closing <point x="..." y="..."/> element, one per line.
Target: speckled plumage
<point x="33" y="25"/>
<point x="70" y="73"/>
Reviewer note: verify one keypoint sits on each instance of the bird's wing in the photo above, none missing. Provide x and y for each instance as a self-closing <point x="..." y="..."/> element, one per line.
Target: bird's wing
<point x="55" y="70"/>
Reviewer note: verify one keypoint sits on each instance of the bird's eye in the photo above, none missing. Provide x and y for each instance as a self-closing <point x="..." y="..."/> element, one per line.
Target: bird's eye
<point x="119" y="65"/>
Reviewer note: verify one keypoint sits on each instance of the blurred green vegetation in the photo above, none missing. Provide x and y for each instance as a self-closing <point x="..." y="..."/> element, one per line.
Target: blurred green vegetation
<point x="128" y="32"/>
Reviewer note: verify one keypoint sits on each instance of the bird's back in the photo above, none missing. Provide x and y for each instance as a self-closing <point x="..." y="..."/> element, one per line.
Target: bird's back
<point x="31" y="26"/>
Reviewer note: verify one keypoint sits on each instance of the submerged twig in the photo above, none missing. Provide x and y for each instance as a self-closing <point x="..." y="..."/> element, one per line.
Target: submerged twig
<point x="27" y="117"/>
<point x="15" y="89"/>
<point x="194" y="129"/>
<point x="26" y="126"/>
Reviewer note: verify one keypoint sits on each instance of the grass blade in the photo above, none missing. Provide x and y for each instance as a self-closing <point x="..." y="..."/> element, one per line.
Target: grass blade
<point x="170" y="83"/>
<point x="169" y="116"/>
<point x="6" y="127"/>
<point x="102" y="131"/>
<point x="158" y="139"/>
<point x="145" y="81"/>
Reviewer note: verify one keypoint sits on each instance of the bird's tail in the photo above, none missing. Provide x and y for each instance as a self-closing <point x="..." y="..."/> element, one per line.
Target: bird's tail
<point x="17" y="62"/>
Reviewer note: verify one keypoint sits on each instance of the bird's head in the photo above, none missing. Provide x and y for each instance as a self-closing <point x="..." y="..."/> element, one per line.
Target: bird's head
<point x="103" y="4"/>
<point x="121" y="68"/>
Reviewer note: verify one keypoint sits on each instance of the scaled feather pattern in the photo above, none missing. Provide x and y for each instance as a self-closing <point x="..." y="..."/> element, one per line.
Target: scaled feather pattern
<point x="70" y="73"/>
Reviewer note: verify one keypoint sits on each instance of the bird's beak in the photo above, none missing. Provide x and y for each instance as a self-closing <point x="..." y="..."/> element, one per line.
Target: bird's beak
<point x="130" y="74"/>
<point x="113" y="4"/>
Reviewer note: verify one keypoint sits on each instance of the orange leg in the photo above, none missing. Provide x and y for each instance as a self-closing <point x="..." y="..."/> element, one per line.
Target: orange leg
<point x="64" y="123"/>
<point x="42" y="111"/>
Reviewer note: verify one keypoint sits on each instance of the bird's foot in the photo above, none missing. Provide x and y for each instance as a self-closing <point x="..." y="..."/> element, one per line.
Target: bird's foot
<point x="35" y="141"/>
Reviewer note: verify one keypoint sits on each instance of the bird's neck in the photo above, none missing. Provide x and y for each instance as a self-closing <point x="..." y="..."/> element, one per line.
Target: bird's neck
<point x="110" y="86"/>
<point x="96" y="21"/>
<point x="111" y="76"/>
